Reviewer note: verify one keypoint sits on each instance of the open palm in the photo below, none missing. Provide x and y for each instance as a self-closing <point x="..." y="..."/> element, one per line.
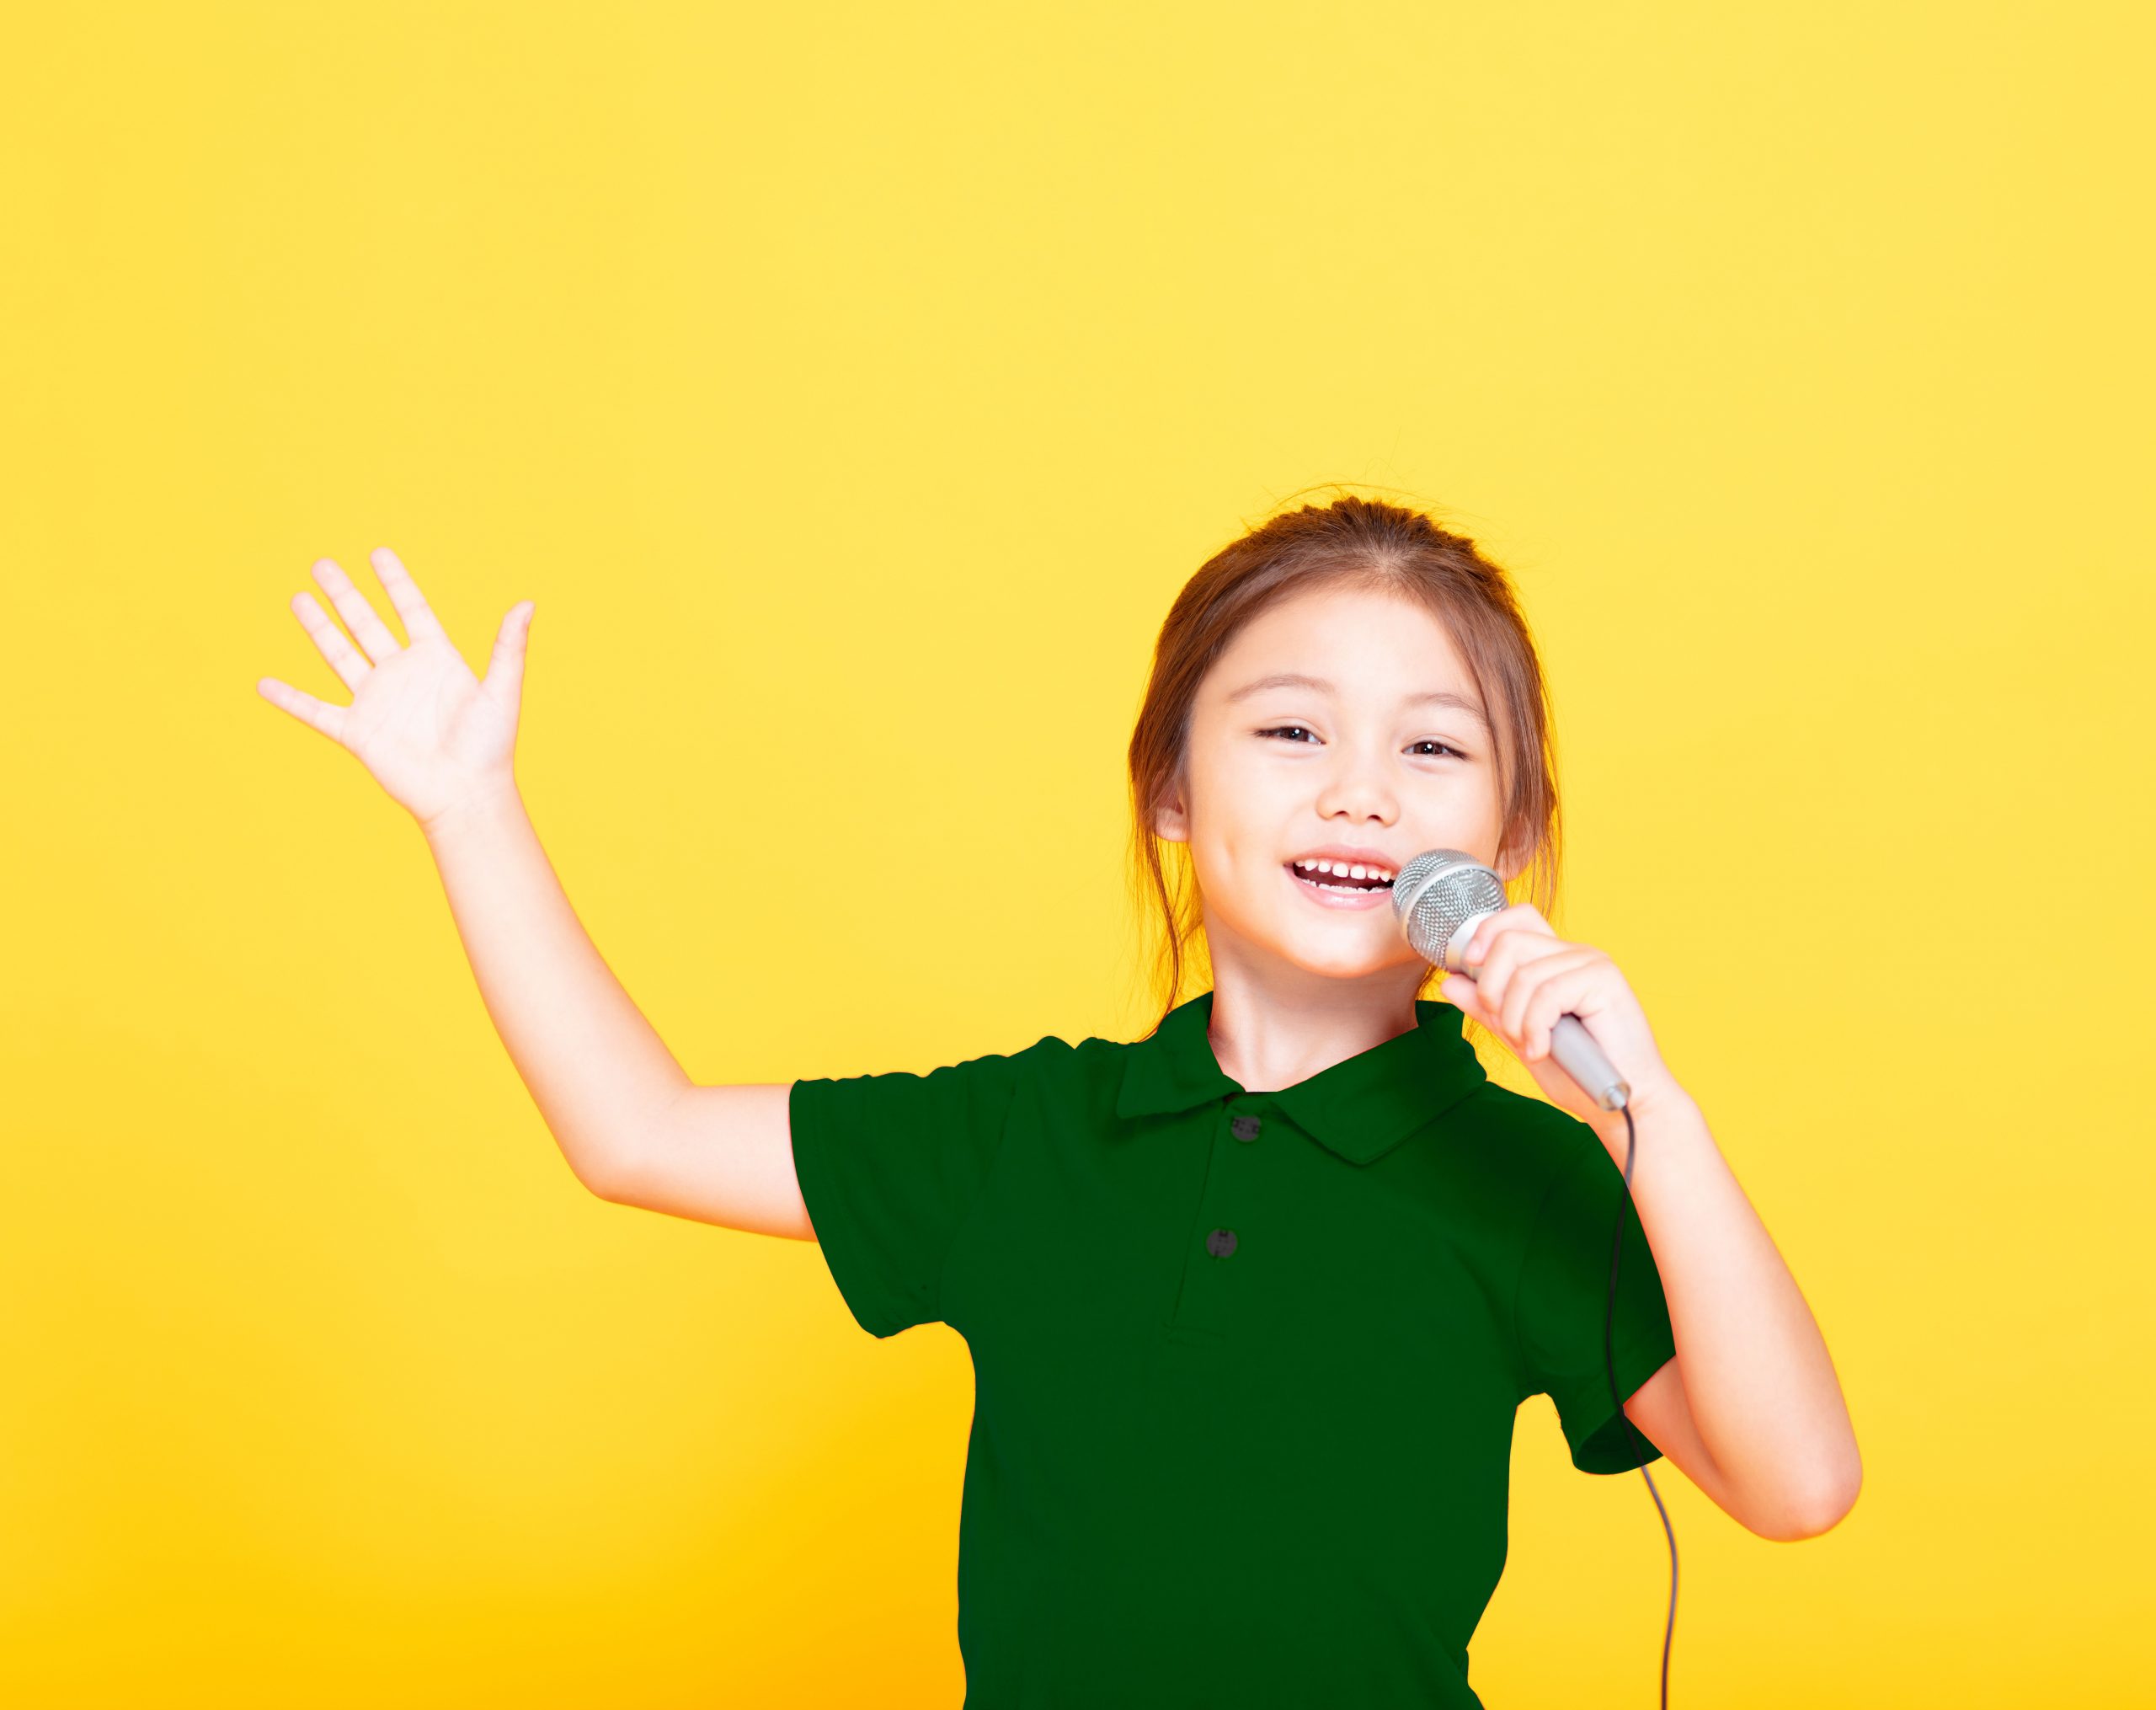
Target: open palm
<point x="433" y="736"/>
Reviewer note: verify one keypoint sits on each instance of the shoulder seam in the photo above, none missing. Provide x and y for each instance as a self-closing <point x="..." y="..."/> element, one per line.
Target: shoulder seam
<point x="1010" y="1097"/>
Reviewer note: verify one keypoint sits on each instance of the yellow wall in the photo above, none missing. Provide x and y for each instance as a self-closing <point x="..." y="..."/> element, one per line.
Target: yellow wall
<point x="852" y="387"/>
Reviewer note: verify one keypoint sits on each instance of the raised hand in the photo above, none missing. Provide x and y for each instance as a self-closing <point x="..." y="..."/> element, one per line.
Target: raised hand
<point x="436" y="738"/>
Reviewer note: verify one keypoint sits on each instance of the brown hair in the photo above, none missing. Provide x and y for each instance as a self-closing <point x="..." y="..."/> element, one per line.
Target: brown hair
<point x="1364" y="543"/>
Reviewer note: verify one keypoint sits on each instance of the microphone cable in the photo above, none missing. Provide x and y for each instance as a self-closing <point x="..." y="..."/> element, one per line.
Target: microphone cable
<point x="1436" y="897"/>
<point x="1609" y="1364"/>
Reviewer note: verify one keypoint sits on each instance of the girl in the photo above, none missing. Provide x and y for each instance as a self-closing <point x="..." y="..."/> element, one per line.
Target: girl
<point x="1252" y="1301"/>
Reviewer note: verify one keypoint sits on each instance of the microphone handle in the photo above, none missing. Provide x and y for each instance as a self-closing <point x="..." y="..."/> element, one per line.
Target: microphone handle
<point x="1579" y="1056"/>
<point x="1582" y="1058"/>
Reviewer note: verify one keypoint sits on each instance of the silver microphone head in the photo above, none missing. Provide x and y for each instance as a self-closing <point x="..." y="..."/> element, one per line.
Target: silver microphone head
<point x="1437" y="894"/>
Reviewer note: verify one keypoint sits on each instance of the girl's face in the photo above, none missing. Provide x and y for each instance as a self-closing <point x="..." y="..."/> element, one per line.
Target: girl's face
<point x="1382" y="745"/>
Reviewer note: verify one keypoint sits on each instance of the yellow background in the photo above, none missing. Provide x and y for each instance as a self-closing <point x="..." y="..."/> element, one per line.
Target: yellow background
<point x="852" y="387"/>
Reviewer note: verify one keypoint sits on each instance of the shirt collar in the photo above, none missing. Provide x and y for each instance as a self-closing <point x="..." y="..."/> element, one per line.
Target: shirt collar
<point x="1360" y="1107"/>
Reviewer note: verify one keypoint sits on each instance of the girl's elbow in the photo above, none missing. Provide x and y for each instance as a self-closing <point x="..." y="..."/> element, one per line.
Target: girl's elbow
<point x="1820" y="1513"/>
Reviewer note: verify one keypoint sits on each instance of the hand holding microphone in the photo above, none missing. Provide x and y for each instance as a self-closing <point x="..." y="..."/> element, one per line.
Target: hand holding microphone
<point x="1440" y="897"/>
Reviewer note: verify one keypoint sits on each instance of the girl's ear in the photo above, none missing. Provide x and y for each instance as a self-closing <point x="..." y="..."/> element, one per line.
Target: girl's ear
<point x="1171" y="818"/>
<point x="1511" y="863"/>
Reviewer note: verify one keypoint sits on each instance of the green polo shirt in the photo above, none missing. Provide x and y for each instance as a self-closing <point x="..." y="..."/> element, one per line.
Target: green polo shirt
<point x="1245" y="1364"/>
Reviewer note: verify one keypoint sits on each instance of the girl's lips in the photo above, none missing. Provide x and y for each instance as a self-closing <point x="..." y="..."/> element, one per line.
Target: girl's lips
<point x="1378" y="897"/>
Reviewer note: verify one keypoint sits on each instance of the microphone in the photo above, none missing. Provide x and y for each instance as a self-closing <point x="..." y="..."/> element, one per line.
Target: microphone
<point x="1438" y="898"/>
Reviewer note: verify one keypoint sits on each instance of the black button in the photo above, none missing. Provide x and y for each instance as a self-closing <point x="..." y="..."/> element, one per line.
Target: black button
<point x="1220" y="1243"/>
<point x="1245" y="1127"/>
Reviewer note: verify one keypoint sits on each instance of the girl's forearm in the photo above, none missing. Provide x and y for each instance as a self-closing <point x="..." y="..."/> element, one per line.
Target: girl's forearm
<point x="1762" y="1387"/>
<point x="598" y="1072"/>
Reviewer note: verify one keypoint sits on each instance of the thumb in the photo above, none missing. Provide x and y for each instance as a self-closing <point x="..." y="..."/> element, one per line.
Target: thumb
<point x="505" y="670"/>
<point x="1461" y="992"/>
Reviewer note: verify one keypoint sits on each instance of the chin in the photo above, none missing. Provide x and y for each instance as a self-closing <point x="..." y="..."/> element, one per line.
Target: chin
<point x="1334" y="962"/>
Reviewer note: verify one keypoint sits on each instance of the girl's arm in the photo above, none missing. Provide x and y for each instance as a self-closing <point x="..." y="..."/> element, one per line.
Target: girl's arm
<point x="633" y="1127"/>
<point x="441" y="742"/>
<point x="721" y="1155"/>
<point x="1755" y="1387"/>
<point x="601" y="1075"/>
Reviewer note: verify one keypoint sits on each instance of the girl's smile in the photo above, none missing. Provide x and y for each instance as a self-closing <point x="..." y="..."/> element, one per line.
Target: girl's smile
<point x="1334" y="891"/>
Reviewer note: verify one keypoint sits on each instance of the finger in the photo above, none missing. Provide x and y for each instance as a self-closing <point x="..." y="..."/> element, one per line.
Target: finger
<point x="1520" y="995"/>
<point x="1504" y="920"/>
<point x="1528" y="916"/>
<point x="366" y="626"/>
<point x="349" y="663"/>
<point x="419" y="619"/>
<point x="505" y="669"/>
<point x="1553" y="986"/>
<point x="1462" y="993"/>
<point x="320" y="714"/>
<point x="1474" y="954"/>
<point x="1511" y="948"/>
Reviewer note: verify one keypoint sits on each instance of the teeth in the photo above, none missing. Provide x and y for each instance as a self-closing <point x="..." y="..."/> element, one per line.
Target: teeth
<point x="1344" y="869"/>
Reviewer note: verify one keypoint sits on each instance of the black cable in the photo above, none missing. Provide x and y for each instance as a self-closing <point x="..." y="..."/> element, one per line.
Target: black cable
<point x="1609" y="1363"/>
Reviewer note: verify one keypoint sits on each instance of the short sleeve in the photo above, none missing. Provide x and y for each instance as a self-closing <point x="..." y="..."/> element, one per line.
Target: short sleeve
<point x="888" y="1166"/>
<point x="1562" y="1308"/>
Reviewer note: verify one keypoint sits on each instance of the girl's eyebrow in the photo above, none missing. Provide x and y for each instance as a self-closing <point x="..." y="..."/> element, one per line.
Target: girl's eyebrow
<point x="1295" y="680"/>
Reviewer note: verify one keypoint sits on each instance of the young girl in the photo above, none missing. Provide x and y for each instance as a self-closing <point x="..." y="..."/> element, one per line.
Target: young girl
<point x="1252" y="1301"/>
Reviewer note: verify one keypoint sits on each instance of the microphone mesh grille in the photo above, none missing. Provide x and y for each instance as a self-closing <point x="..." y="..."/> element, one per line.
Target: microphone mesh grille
<point x="1459" y="889"/>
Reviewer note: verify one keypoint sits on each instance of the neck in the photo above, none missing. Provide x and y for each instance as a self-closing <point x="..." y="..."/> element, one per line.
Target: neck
<point x="1267" y="1036"/>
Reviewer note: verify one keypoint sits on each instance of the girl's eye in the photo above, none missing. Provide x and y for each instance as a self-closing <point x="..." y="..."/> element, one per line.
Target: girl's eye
<point x="1427" y="742"/>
